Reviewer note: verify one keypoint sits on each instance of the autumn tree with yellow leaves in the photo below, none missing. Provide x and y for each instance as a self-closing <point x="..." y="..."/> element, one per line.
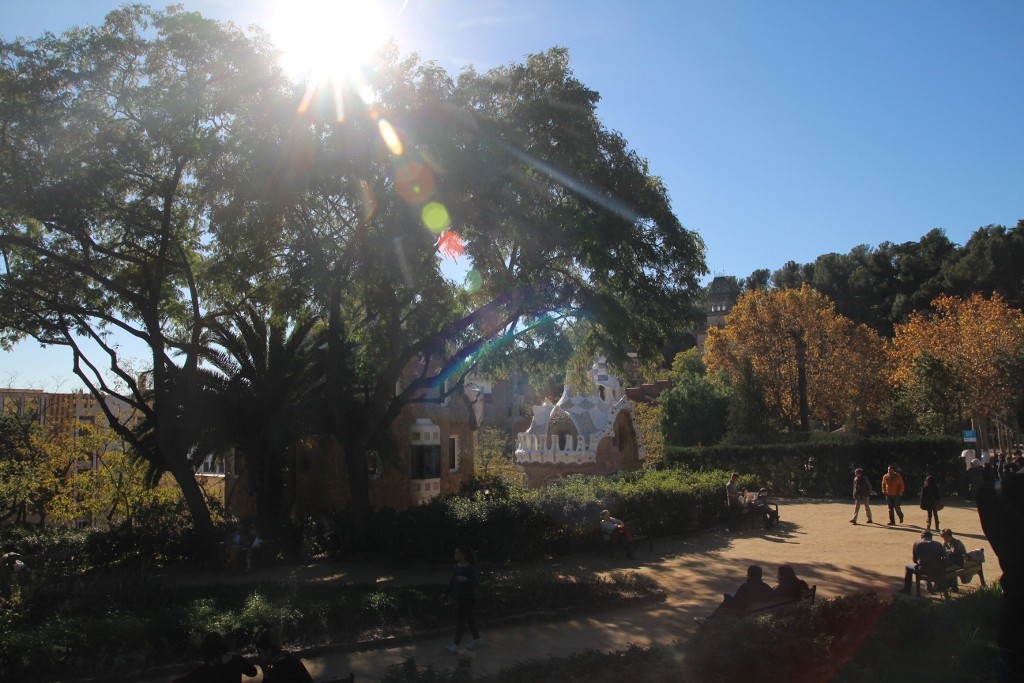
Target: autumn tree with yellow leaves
<point x="811" y="362"/>
<point x="980" y="344"/>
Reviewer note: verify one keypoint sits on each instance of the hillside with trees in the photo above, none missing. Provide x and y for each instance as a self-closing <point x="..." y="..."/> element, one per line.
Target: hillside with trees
<point x="914" y="338"/>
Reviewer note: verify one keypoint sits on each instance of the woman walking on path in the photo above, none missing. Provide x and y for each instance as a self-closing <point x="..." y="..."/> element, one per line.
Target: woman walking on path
<point x="861" y="495"/>
<point x="931" y="501"/>
<point x="463" y="584"/>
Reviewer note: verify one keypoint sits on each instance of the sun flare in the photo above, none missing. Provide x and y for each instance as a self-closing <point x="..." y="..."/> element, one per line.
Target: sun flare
<point x="327" y="39"/>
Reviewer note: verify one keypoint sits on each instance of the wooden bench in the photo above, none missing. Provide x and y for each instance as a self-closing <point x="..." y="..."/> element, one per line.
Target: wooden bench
<point x="753" y="516"/>
<point x="639" y="536"/>
<point x="781" y="603"/>
<point x="952" y="574"/>
<point x="770" y="606"/>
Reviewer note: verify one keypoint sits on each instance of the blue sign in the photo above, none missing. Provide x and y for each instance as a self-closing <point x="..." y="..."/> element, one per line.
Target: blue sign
<point x="970" y="436"/>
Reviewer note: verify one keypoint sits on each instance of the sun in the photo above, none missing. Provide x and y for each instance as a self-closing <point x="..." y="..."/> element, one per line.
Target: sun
<point x="323" y="40"/>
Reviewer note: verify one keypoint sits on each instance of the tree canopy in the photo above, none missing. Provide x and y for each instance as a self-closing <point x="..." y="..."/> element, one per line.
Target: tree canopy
<point x="973" y="345"/>
<point x="162" y="170"/>
<point x="809" y="361"/>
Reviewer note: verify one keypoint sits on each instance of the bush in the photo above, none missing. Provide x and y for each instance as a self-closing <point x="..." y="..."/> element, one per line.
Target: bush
<point x="852" y="638"/>
<point x="823" y="466"/>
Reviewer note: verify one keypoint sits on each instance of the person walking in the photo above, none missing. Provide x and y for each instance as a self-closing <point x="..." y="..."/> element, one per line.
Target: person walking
<point x="931" y="501"/>
<point x="892" y="489"/>
<point x="732" y="496"/>
<point x="463" y="585"/>
<point x="861" y="495"/>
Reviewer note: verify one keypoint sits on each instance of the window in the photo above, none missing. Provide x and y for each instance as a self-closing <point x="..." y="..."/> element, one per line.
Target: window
<point x="425" y="452"/>
<point x="212" y="465"/>
<point x="426" y="462"/>
<point x="453" y="454"/>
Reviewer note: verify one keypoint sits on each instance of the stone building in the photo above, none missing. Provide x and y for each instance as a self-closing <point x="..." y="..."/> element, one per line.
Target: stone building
<point x="720" y="296"/>
<point x="589" y="434"/>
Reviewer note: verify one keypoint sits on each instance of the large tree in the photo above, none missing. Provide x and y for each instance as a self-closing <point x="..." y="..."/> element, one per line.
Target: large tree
<point x="152" y="170"/>
<point x="809" y="361"/>
<point x="695" y="410"/>
<point x="978" y="342"/>
<point x="557" y="219"/>
<point x="115" y="141"/>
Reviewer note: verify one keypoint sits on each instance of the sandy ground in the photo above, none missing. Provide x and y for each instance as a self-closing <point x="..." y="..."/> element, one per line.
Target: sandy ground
<point x="815" y="536"/>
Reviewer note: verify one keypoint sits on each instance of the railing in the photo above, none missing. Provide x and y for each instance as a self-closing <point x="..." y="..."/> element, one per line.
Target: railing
<point x="546" y="448"/>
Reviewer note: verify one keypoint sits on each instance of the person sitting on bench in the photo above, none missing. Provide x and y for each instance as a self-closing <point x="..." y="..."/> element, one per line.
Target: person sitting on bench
<point x="754" y="589"/>
<point x="954" y="550"/>
<point x="757" y="504"/>
<point x="928" y="561"/>
<point x="615" y="531"/>
<point x="789" y="585"/>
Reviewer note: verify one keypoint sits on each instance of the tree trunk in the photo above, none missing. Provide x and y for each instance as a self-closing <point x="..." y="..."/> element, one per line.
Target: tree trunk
<point x="193" y="495"/>
<point x="801" y="382"/>
<point x="359" y="492"/>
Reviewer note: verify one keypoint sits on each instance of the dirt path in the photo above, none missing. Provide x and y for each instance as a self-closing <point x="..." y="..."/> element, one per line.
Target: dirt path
<point x="814" y="536"/>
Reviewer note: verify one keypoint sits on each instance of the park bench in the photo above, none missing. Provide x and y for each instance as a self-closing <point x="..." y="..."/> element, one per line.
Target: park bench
<point x="781" y="604"/>
<point x="640" y="535"/>
<point x="954" y="573"/>
<point x="770" y="606"/>
<point x="752" y="511"/>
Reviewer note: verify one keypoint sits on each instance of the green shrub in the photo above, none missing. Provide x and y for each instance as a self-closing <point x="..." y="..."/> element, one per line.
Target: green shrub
<point x="823" y="466"/>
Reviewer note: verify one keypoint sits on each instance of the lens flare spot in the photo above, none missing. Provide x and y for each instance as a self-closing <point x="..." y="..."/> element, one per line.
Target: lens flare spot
<point x="390" y="137"/>
<point x="435" y="217"/>
<point x="473" y="282"/>
<point x="414" y="182"/>
<point x="450" y="244"/>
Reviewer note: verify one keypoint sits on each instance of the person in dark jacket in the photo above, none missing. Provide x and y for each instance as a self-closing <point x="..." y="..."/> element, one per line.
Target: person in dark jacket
<point x="279" y="666"/>
<point x="861" y="495"/>
<point x="463" y="584"/>
<point x="931" y="501"/>
<point x="754" y="589"/>
<point x="789" y="585"/>
<point x="1001" y="510"/>
<point x="927" y="561"/>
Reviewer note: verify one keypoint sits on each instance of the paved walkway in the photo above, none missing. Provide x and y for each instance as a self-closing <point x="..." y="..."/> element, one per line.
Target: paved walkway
<point x="814" y="536"/>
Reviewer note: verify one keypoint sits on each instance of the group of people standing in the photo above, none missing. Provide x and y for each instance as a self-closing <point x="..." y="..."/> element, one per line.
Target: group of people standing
<point x="893" y="488"/>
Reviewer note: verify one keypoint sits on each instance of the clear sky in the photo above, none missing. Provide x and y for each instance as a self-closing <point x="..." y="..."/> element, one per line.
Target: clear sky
<point x="783" y="129"/>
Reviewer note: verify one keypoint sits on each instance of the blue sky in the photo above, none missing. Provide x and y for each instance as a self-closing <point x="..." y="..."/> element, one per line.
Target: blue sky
<point x="783" y="129"/>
